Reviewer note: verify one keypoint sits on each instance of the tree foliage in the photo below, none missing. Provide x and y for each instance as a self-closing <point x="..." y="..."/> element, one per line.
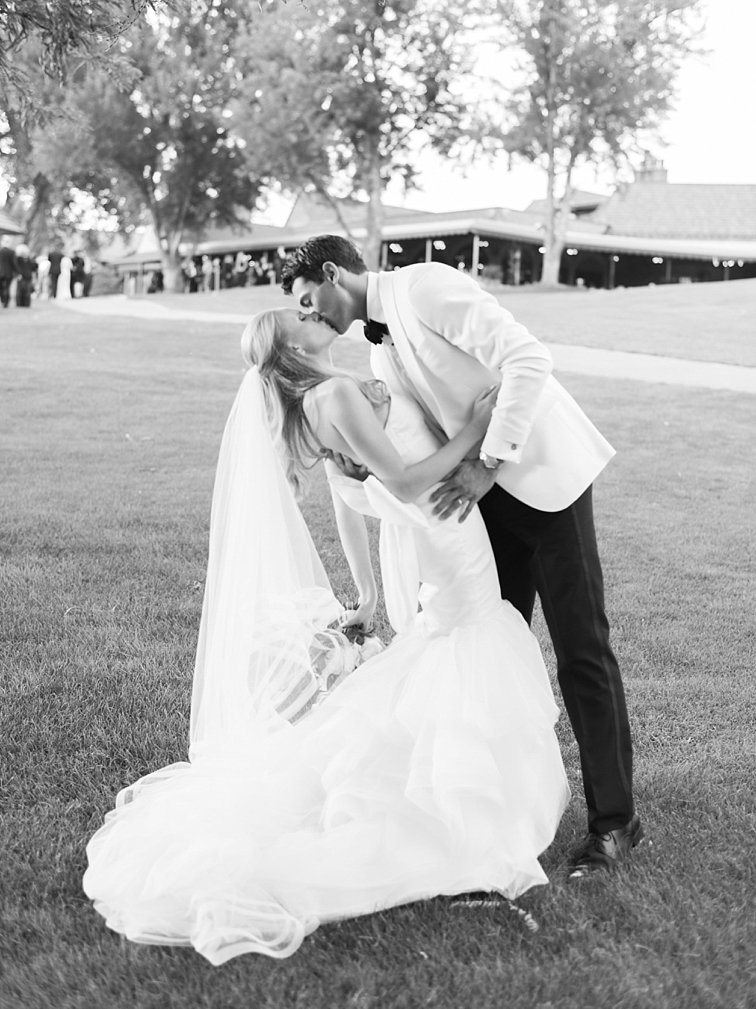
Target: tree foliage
<point x="599" y="74"/>
<point x="159" y="151"/>
<point x="335" y="97"/>
<point x="67" y="32"/>
<point x="30" y="195"/>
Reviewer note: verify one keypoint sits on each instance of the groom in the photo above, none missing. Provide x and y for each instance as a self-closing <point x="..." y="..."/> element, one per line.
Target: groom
<point x="441" y="338"/>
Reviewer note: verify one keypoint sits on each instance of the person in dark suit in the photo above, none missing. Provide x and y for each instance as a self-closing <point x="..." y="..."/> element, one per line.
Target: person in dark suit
<point x="77" y="274"/>
<point x="26" y="267"/>
<point x="55" y="257"/>
<point x="7" y="269"/>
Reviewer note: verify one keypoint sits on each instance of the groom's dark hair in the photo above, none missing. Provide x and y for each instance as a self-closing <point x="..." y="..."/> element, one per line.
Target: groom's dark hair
<point x="307" y="261"/>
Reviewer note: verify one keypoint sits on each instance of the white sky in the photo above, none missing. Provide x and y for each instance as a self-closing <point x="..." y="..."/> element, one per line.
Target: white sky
<point x="710" y="137"/>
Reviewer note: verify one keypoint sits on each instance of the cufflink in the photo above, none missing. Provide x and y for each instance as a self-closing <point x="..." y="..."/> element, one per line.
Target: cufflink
<point x="490" y="461"/>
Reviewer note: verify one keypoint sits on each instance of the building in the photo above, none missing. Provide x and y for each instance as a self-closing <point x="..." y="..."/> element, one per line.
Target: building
<point x="648" y="232"/>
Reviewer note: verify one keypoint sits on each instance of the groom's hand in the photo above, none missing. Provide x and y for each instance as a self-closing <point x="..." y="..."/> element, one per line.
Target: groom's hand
<point x="350" y="468"/>
<point x="462" y="489"/>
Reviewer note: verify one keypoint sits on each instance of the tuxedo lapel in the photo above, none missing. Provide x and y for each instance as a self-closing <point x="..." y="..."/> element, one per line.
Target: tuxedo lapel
<point x="401" y="323"/>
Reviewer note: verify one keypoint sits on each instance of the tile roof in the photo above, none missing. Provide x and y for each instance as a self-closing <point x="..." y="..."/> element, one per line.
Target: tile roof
<point x="313" y="211"/>
<point x="680" y="210"/>
<point x="645" y="218"/>
<point x="582" y="200"/>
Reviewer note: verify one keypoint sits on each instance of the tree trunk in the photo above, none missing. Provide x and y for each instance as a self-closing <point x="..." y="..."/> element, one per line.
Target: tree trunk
<point x="552" y="260"/>
<point x="37" y="221"/>
<point x="557" y="235"/>
<point x="335" y="207"/>
<point x="552" y="255"/>
<point x="171" y="266"/>
<point x="169" y="235"/>
<point x="372" y="247"/>
<point x="554" y="242"/>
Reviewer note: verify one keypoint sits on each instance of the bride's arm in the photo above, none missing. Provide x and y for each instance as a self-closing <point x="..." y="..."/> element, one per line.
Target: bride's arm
<point x="351" y="414"/>
<point x="354" y="542"/>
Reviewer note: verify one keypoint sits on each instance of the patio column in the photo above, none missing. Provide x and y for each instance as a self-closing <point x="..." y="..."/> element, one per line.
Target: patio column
<point x="612" y="265"/>
<point x="428" y="250"/>
<point x="516" y="262"/>
<point x="384" y="255"/>
<point x="475" y="255"/>
<point x="668" y="269"/>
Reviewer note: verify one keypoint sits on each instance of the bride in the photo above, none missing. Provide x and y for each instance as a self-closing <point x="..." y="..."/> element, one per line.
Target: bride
<point x="323" y="783"/>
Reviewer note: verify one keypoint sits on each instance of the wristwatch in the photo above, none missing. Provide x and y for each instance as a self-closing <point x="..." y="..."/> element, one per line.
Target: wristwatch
<point x="490" y="461"/>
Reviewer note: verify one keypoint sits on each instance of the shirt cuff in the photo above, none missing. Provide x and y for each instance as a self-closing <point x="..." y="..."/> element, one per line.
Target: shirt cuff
<point x="507" y="451"/>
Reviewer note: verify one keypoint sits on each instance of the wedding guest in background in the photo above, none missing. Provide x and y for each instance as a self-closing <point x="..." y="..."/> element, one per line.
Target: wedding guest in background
<point x="207" y="273"/>
<point x="26" y="267"/>
<point x="43" y="273"/>
<point x="226" y="272"/>
<point x="7" y="269"/>
<point x="87" y="275"/>
<point x="55" y="258"/>
<point x="156" y="282"/>
<point x="63" y="289"/>
<point x="77" y="275"/>
<point x="241" y="263"/>
<point x="189" y="272"/>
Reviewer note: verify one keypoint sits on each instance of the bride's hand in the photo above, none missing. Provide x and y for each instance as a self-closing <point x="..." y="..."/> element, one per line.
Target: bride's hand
<point x="361" y="617"/>
<point x="483" y="407"/>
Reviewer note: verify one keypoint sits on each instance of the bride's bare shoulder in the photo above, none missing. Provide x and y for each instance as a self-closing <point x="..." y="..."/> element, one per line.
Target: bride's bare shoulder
<point x="326" y="403"/>
<point x="332" y="395"/>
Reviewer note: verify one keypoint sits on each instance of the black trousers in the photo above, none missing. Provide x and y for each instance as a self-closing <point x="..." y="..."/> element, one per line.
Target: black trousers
<point x="555" y="554"/>
<point x="23" y="292"/>
<point x="5" y="290"/>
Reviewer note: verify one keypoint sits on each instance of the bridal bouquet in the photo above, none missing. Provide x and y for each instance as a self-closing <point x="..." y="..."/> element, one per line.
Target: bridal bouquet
<point x="329" y="657"/>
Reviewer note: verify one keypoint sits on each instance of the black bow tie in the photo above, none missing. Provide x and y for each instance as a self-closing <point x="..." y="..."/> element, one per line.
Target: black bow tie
<point x="375" y="331"/>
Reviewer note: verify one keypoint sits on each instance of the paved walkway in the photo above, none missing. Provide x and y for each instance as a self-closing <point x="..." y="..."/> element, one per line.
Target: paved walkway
<point x="652" y="368"/>
<point x="569" y="358"/>
<point x="136" y="308"/>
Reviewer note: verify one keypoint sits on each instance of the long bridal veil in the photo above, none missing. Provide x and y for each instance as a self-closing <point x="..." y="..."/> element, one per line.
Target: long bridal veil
<point x="267" y="597"/>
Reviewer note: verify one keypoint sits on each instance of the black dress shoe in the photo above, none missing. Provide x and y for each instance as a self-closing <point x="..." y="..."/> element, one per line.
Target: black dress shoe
<point x="606" y="851"/>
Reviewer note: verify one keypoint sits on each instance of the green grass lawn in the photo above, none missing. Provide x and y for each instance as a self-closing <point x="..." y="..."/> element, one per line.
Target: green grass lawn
<point x="109" y="430"/>
<point x="704" y="322"/>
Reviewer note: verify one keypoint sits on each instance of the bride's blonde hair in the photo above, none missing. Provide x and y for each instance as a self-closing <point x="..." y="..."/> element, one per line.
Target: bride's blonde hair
<point x="287" y="374"/>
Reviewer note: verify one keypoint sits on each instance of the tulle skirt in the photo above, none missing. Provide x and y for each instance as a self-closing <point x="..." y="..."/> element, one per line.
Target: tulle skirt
<point x="433" y="769"/>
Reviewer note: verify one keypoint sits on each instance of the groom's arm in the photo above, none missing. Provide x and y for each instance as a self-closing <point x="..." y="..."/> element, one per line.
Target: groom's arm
<point x="453" y="305"/>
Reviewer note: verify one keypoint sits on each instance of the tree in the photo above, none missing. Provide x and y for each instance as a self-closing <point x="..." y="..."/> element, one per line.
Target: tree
<point x="161" y="150"/>
<point x="78" y="30"/>
<point x="335" y="98"/>
<point x="598" y="73"/>
<point x="29" y="193"/>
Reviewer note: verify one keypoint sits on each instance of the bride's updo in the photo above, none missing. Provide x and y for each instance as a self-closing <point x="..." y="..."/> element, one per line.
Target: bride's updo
<point x="287" y="374"/>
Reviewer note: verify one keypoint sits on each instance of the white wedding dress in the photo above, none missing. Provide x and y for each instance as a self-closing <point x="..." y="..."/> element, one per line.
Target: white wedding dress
<point x="431" y="769"/>
<point x="63" y="289"/>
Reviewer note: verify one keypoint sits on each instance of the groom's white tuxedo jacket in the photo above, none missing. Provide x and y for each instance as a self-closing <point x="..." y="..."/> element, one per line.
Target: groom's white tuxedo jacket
<point x="451" y="341"/>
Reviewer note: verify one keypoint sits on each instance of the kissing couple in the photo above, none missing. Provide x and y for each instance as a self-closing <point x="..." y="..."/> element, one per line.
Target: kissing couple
<point x="329" y="778"/>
